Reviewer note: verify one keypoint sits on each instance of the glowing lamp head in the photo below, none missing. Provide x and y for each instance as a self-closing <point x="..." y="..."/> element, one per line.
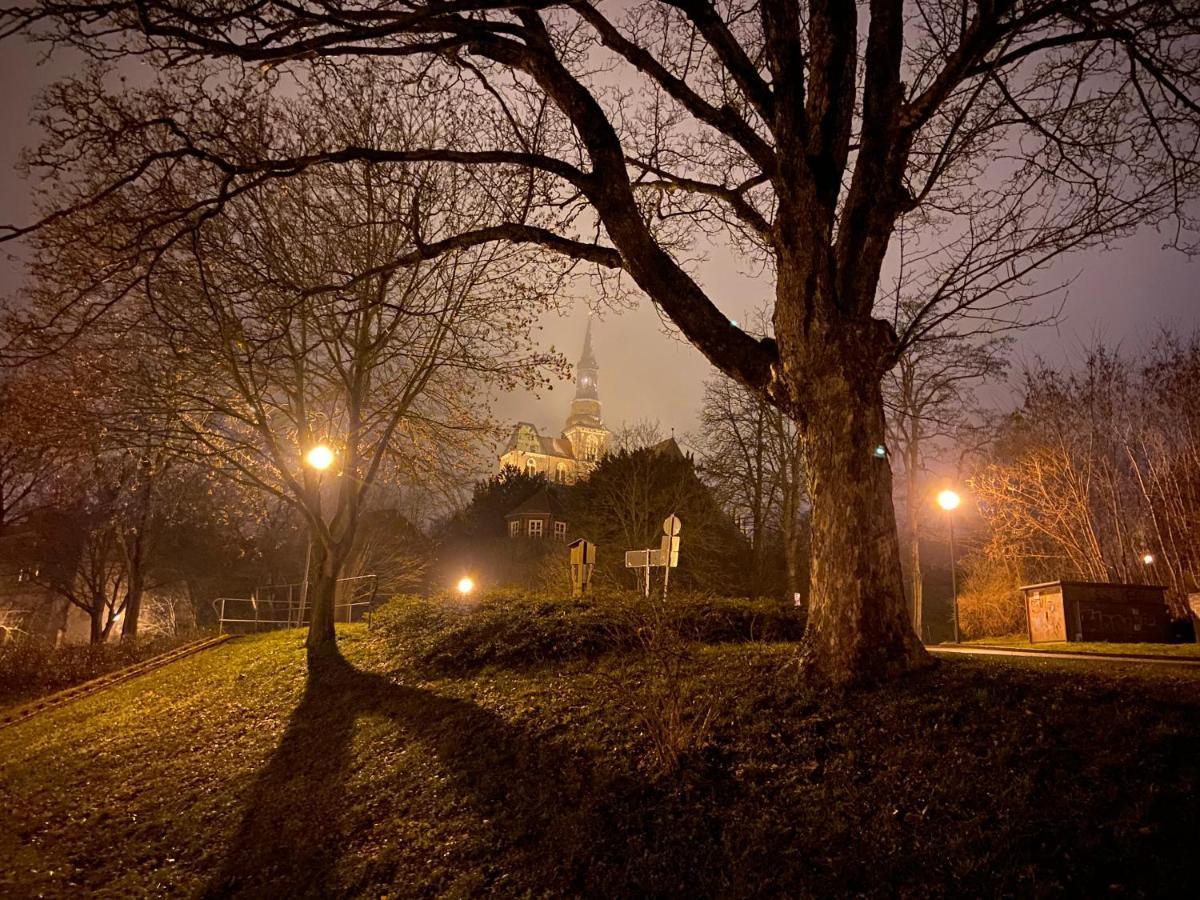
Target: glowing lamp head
<point x="948" y="500"/>
<point x="1148" y="559"/>
<point x="319" y="457"/>
<point x="465" y="585"/>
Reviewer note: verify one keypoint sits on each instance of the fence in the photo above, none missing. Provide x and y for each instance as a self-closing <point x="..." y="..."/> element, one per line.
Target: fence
<point x="285" y="606"/>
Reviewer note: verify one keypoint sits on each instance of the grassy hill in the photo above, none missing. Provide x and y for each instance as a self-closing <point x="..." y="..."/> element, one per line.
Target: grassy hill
<point x="395" y="772"/>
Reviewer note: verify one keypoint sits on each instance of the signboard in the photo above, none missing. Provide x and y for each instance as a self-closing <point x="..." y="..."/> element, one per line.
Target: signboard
<point x="638" y="559"/>
<point x="583" y="561"/>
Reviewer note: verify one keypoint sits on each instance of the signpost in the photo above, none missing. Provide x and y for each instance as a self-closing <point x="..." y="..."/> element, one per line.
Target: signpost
<point x="665" y="557"/>
<point x="583" y="560"/>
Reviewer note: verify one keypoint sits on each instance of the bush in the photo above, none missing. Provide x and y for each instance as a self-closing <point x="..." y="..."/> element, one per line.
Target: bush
<point x="516" y="629"/>
<point x="990" y="603"/>
<point x="33" y="667"/>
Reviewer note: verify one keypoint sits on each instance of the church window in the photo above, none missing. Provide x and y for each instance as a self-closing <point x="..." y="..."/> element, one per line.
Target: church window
<point x="562" y="472"/>
<point x="530" y="466"/>
<point x="560" y="531"/>
<point x="514" y="528"/>
<point x="535" y="528"/>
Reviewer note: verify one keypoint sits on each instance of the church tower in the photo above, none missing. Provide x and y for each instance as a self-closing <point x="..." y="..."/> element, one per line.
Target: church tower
<point x="585" y="428"/>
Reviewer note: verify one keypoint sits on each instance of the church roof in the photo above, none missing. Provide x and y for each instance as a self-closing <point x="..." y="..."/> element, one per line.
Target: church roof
<point x="669" y="447"/>
<point x="547" y="446"/>
<point x="542" y="503"/>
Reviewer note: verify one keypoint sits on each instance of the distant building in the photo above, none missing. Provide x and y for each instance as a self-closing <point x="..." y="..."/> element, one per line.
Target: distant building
<point x="584" y="438"/>
<point x="541" y="516"/>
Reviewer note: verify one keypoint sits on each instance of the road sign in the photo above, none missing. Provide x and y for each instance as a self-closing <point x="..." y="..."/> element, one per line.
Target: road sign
<point x="671" y="525"/>
<point x="637" y="559"/>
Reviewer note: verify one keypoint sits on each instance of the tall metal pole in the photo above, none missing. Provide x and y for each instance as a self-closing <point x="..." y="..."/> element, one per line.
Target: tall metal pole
<point x="953" y="576"/>
<point x="304" y="584"/>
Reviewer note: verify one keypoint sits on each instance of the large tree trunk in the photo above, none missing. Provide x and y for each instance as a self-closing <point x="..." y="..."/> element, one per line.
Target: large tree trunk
<point x="858" y="625"/>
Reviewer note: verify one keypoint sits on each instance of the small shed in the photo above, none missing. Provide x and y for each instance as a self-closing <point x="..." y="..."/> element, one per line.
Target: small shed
<point x="1097" y="611"/>
<point x="541" y="516"/>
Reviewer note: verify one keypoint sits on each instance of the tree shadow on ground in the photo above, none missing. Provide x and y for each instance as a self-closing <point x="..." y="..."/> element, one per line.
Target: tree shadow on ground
<point x="539" y="801"/>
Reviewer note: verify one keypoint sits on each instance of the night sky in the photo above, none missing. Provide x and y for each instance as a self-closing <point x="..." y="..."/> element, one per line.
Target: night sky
<point x="1123" y="294"/>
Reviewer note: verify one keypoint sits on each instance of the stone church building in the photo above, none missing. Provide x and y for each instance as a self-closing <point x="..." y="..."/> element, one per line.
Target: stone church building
<point x="584" y="438"/>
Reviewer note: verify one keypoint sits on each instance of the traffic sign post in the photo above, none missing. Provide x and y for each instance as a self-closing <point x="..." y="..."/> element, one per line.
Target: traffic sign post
<point x="666" y="556"/>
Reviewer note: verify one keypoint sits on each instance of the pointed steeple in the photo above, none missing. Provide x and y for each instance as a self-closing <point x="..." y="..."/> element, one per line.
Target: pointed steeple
<point x="587" y="371"/>
<point x="585" y="408"/>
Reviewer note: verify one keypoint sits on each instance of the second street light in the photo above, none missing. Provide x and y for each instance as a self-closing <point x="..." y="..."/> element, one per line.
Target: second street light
<point x="318" y="458"/>
<point x="949" y="501"/>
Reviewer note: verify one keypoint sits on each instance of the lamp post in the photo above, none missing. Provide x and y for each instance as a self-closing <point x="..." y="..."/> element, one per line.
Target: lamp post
<point x="319" y="458"/>
<point x="949" y="501"/>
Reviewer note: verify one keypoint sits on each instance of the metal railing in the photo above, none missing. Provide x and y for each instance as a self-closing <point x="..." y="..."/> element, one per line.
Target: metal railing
<point x="285" y="606"/>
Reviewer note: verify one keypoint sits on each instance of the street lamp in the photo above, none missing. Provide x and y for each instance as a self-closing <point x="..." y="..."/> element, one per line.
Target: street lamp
<point x="949" y="501"/>
<point x="465" y="585"/>
<point x="1148" y="559"/>
<point x="319" y="458"/>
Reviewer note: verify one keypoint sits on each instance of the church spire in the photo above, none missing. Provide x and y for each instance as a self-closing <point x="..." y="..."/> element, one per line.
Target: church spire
<point x="587" y="372"/>
<point x="585" y="408"/>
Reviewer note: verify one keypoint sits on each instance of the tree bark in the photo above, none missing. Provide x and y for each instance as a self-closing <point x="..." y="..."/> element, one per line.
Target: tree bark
<point x="96" y="616"/>
<point x="858" y="625"/>
<point x="133" y="605"/>
<point x="322" y="595"/>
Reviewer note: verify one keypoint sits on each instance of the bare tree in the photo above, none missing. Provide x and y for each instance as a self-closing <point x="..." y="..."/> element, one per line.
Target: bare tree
<point x="1095" y="475"/>
<point x="1004" y="133"/>
<point x="752" y="457"/>
<point x="932" y="409"/>
<point x="30" y="447"/>
<point x="251" y="362"/>
<point x="636" y="435"/>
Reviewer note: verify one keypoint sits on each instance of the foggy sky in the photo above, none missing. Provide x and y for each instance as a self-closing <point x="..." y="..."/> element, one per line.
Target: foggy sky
<point x="1123" y="295"/>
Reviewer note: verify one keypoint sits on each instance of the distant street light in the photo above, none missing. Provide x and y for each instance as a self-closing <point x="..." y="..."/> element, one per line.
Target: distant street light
<point x="1148" y="559"/>
<point x="949" y="501"/>
<point x="465" y="585"/>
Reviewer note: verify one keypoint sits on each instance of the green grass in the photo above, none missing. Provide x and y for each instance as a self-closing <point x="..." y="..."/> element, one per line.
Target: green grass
<point x="1184" y="651"/>
<point x="227" y="773"/>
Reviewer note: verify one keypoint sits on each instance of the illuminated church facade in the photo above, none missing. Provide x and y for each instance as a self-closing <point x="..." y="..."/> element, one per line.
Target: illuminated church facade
<point x="584" y="439"/>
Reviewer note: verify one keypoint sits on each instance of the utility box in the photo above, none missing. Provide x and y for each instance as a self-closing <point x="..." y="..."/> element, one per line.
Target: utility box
<point x="1097" y="611"/>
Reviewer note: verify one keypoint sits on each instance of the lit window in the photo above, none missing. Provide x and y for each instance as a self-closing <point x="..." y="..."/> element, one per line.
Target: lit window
<point x="562" y="471"/>
<point x="535" y="528"/>
<point x="560" y="531"/>
<point x="514" y="528"/>
<point x="531" y="466"/>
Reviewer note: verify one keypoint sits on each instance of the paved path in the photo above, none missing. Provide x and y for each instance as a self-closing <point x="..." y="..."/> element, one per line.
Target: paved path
<point x="953" y="649"/>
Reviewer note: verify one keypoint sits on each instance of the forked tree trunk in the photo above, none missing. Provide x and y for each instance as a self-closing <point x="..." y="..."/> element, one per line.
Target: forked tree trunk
<point x="322" y="595"/>
<point x="858" y="626"/>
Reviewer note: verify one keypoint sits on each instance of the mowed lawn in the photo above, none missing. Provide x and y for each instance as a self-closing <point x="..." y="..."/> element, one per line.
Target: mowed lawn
<point x="228" y="774"/>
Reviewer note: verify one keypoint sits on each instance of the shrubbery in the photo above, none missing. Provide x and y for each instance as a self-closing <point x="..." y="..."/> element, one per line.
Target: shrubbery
<point x="513" y="629"/>
<point x="31" y="667"/>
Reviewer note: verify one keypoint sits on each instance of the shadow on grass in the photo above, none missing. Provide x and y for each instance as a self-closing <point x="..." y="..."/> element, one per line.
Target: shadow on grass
<point x="293" y="827"/>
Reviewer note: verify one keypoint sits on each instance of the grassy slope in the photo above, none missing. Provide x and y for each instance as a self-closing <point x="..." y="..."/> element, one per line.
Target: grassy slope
<point x="222" y="774"/>
<point x="1185" y="651"/>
